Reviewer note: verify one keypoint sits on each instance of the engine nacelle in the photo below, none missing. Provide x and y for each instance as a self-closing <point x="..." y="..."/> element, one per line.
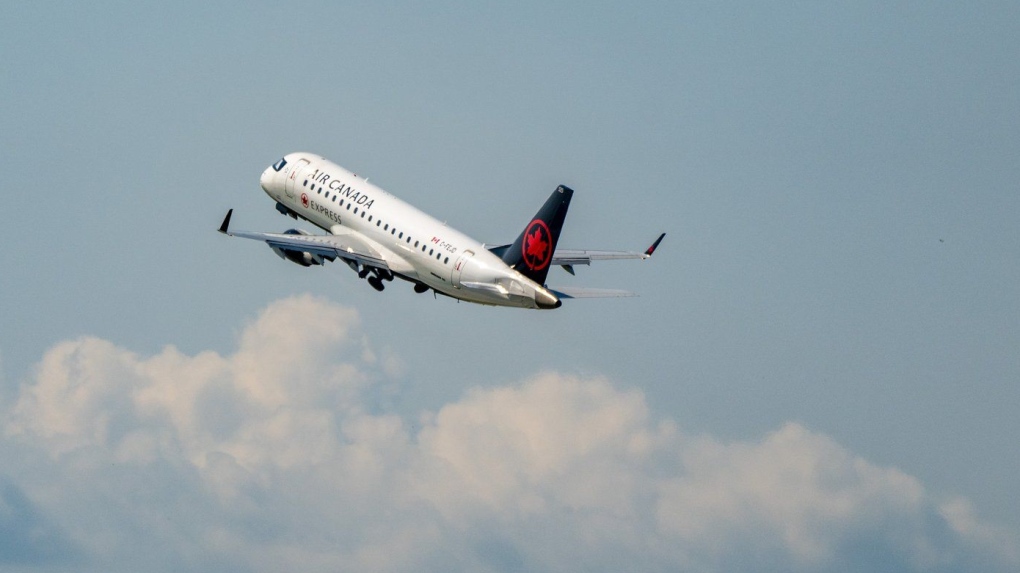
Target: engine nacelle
<point x="303" y="258"/>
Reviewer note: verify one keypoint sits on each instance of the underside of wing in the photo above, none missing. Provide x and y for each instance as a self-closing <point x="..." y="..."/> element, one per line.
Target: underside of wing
<point x="323" y="245"/>
<point x="579" y="257"/>
<point x="567" y="258"/>
<point x="347" y="246"/>
<point x="585" y="257"/>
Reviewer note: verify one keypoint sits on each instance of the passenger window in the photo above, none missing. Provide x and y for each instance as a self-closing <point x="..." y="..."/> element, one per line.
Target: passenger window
<point x="401" y="235"/>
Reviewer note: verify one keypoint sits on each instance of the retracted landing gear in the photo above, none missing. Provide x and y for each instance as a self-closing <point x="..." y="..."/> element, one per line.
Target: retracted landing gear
<point x="375" y="275"/>
<point x="377" y="278"/>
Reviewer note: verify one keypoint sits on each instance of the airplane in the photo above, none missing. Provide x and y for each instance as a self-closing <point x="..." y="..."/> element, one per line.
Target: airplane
<point x="381" y="238"/>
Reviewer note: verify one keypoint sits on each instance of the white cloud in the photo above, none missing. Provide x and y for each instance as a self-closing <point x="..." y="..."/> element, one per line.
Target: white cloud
<point x="795" y="491"/>
<point x="269" y="459"/>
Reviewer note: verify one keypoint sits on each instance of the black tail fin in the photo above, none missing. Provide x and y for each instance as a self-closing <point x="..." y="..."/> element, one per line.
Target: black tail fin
<point x="532" y="252"/>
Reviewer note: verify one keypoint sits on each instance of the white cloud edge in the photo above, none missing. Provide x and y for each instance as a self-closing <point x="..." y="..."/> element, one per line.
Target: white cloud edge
<point x="281" y="418"/>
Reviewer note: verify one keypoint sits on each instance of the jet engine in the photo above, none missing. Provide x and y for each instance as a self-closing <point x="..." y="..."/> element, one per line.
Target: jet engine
<point x="303" y="258"/>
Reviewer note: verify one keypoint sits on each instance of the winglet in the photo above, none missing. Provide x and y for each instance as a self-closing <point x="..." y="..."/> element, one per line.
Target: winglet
<point x="651" y="250"/>
<point x="226" y="222"/>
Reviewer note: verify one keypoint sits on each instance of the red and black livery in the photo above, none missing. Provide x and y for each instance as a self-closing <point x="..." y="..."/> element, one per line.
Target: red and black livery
<point x="532" y="252"/>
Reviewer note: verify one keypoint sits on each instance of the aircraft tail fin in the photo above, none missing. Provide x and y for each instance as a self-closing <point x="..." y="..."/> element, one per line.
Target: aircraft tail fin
<point x="532" y="252"/>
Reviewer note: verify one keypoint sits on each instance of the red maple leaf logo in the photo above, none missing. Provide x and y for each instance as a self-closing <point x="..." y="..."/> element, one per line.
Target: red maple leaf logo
<point x="304" y="199"/>
<point x="536" y="245"/>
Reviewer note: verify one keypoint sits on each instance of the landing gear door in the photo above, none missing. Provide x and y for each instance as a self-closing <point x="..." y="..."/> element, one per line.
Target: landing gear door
<point x="295" y="175"/>
<point x="458" y="267"/>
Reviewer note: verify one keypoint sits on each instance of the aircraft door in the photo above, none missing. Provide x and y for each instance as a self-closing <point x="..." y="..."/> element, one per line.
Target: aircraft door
<point x="294" y="176"/>
<point x="458" y="267"/>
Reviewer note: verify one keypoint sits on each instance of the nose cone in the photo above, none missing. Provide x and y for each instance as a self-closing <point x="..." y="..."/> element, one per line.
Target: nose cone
<point x="267" y="180"/>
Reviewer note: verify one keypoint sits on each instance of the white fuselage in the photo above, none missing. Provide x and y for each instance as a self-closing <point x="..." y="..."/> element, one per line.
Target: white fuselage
<point x="414" y="245"/>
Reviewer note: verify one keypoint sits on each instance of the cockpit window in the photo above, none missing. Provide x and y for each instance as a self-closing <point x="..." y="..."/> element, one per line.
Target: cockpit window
<point x="279" y="164"/>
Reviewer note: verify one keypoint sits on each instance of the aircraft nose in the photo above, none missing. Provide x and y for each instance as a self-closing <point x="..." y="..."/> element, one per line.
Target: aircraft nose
<point x="267" y="179"/>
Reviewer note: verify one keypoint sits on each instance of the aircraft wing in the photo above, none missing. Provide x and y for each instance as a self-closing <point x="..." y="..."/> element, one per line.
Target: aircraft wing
<point x="347" y="246"/>
<point x="567" y="258"/>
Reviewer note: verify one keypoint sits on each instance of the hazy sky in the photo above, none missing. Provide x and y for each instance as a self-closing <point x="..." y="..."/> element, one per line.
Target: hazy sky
<point x="822" y="371"/>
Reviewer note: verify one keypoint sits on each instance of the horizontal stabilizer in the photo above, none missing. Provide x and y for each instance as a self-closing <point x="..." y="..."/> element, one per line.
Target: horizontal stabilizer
<point x="579" y="292"/>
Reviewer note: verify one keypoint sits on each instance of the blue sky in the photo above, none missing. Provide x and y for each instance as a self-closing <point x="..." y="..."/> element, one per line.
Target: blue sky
<point x="838" y="285"/>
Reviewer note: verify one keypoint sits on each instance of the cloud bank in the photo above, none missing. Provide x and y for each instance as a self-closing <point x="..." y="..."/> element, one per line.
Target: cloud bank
<point x="275" y="458"/>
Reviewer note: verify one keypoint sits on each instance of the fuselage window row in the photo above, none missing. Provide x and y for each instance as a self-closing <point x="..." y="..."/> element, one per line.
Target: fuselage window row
<point x="378" y="222"/>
